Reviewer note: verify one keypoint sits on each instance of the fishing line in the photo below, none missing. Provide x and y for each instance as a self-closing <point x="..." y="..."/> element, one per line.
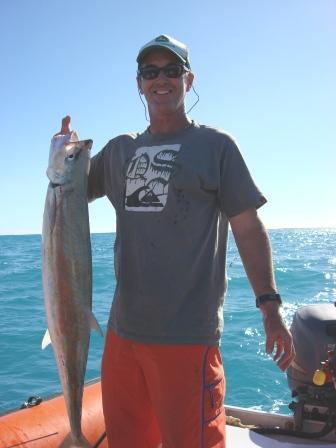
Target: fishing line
<point x="32" y="440"/>
<point x="99" y="441"/>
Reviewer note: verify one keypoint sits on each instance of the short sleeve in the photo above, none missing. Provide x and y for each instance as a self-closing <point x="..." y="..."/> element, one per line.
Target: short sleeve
<point x="96" y="180"/>
<point x="237" y="191"/>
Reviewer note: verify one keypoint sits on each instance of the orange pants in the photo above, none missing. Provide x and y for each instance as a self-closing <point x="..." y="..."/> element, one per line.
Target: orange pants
<point x="169" y="394"/>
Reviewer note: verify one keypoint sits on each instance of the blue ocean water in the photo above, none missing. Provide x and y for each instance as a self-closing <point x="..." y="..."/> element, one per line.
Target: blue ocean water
<point x="305" y="266"/>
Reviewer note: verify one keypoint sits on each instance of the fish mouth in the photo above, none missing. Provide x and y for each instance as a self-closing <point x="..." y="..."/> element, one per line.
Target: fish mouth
<point x="54" y="185"/>
<point x="88" y="143"/>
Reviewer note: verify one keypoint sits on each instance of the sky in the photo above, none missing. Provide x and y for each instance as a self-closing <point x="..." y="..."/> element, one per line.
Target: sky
<point x="265" y="71"/>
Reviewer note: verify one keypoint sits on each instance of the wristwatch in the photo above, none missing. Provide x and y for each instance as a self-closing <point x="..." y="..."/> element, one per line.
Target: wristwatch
<point x="272" y="297"/>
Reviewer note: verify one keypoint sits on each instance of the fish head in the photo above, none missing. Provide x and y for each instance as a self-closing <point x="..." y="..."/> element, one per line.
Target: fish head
<point x="69" y="159"/>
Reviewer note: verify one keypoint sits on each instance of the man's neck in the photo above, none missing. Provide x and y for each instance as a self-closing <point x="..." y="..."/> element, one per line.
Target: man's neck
<point x="168" y="124"/>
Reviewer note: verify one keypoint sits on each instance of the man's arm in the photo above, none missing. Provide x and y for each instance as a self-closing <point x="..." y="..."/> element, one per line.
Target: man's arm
<point x="255" y="251"/>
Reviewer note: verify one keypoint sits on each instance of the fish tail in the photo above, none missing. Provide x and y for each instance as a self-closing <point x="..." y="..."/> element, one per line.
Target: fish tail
<point x="78" y="442"/>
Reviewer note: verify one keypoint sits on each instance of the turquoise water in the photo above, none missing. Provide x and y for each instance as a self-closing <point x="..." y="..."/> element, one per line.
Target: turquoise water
<point x="305" y="265"/>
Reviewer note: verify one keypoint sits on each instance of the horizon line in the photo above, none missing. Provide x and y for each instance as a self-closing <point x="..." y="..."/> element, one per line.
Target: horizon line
<point x="110" y="231"/>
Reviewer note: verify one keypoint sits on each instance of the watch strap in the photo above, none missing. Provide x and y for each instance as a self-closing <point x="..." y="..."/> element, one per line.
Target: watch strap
<point x="272" y="297"/>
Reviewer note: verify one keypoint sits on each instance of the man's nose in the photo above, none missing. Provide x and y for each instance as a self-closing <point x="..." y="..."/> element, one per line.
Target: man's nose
<point x="162" y="75"/>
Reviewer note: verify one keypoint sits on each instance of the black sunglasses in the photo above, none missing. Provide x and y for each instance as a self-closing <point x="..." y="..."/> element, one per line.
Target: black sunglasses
<point x="171" y="70"/>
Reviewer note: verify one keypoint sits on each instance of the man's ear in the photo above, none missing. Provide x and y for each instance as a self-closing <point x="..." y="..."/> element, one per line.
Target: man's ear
<point x="190" y="79"/>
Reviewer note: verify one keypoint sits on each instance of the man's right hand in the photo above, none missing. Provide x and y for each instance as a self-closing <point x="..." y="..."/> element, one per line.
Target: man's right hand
<point x="278" y="337"/>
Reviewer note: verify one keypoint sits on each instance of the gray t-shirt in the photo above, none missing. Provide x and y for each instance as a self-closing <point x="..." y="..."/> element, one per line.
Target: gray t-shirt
<point x="173" y="195"/>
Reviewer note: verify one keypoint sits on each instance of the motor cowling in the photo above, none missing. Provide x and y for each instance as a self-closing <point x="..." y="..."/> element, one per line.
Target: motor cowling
<point x="314" y="333"/>
<point x="314" y="336"/>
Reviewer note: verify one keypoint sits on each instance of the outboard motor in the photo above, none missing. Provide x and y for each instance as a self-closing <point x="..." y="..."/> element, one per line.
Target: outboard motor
<point x="312" y="376"/>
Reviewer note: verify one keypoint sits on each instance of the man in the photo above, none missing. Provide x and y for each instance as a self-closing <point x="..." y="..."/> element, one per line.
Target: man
<point x="176" y="187"/>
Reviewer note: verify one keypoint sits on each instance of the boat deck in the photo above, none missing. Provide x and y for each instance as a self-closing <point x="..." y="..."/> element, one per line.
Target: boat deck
<point x="237" y="437"/>
<point x="245" y="438"/>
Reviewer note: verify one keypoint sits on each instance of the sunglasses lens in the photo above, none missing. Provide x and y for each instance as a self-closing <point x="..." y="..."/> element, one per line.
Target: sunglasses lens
<point x="170" y="70"/>
<point x="149" y="72"/>
<point x="173" y="71"/>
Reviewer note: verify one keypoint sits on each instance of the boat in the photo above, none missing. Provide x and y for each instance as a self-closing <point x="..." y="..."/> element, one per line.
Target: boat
<point x="312" y="379"/>
<point x="44" y="423"/>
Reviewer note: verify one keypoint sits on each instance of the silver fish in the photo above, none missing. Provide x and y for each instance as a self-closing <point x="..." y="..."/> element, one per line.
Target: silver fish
<point x="67" y="272"/>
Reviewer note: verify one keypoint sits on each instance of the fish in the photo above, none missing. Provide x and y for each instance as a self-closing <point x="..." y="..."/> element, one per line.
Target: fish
<point x="67" y="272"/>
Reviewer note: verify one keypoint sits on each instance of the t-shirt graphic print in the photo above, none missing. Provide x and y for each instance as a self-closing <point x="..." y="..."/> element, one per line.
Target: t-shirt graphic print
<point x="147" y="177"/>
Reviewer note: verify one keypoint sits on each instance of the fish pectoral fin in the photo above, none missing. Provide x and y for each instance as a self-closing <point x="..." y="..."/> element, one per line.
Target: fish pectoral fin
<point x="46" y="340"/>
<point x="94" y="325"/>
<point x="296" y="366"/>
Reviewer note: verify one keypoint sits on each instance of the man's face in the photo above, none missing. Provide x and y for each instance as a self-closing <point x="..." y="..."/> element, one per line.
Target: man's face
<point x="164" y="94"/>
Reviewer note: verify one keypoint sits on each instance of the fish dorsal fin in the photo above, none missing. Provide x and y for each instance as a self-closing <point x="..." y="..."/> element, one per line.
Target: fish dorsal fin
<point x="73" y="137"/>
<point x="46" y="340"/>
<point x="94" y="325"/>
